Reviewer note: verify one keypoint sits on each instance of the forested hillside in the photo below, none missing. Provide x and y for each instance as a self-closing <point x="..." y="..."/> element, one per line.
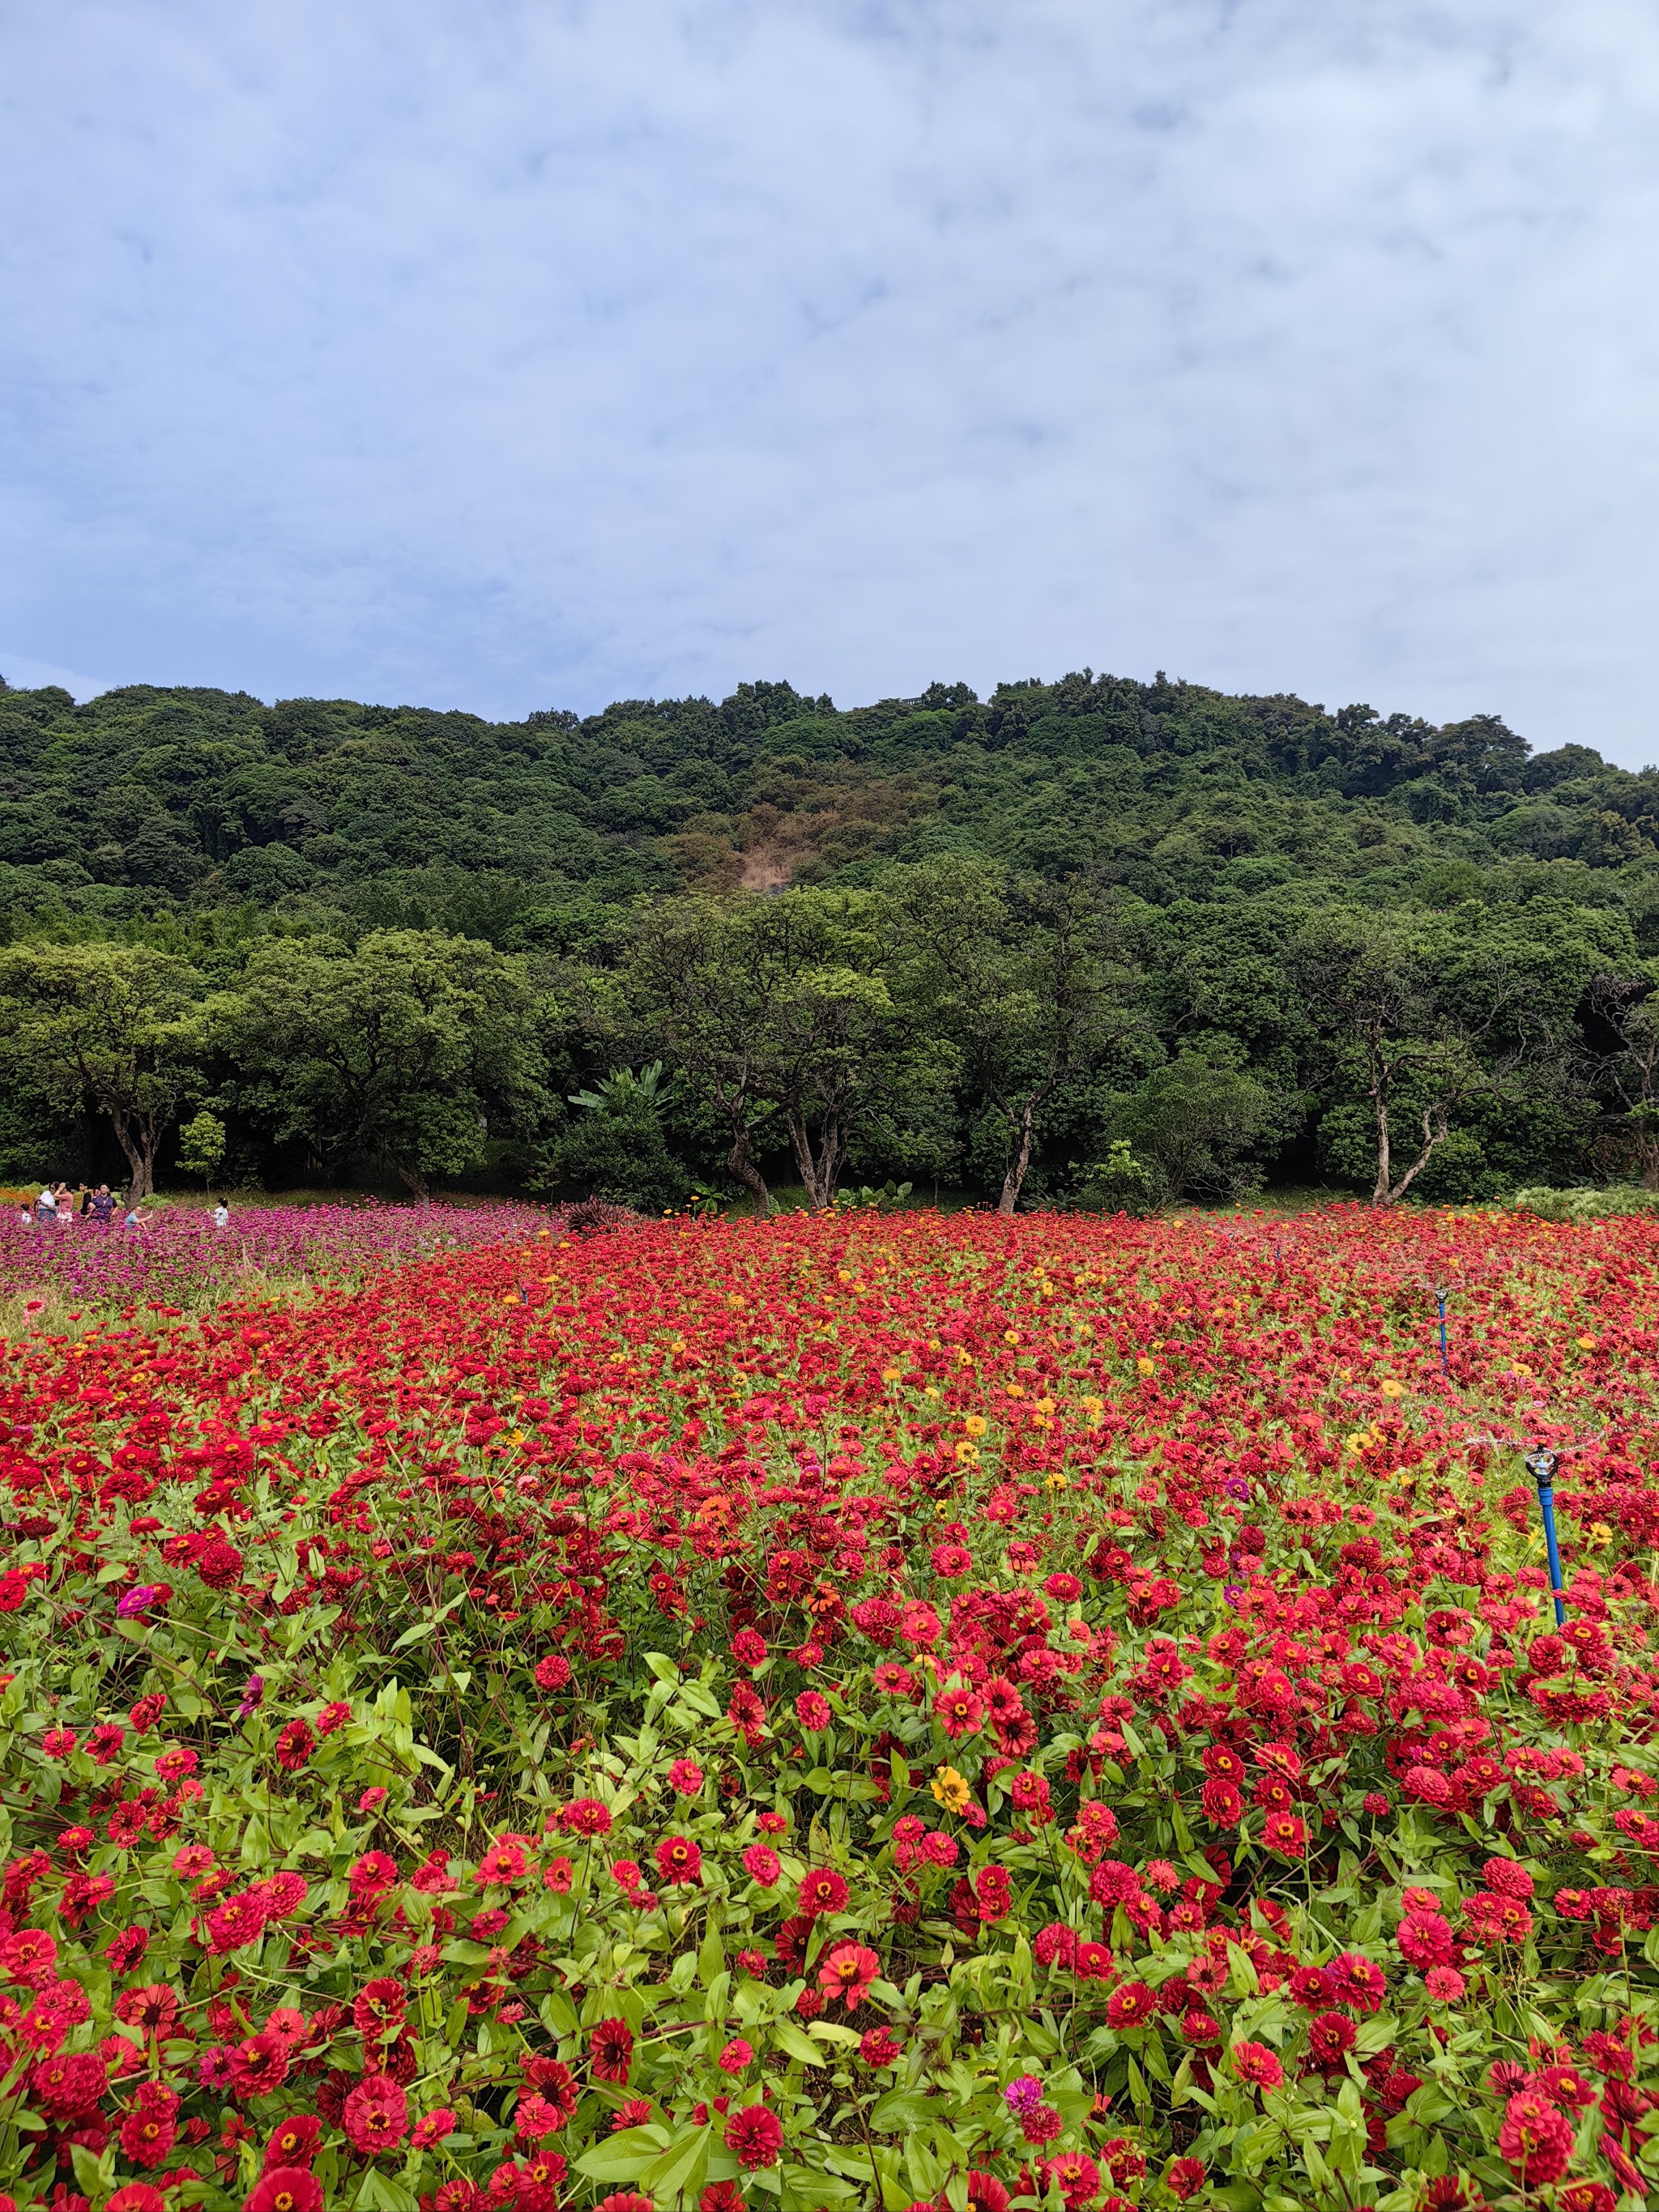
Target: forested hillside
<point x="144" y="798"/>
<point x="1312" y="930"/>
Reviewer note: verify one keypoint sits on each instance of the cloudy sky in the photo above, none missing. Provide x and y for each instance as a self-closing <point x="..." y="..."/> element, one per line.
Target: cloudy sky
<point x="502" y="354"/>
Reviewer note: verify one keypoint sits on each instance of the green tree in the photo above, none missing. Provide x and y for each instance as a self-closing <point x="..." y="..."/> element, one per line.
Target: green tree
<point x="1625" y="1009"/>
<point x="403" y="1048"/>
<point x="201" y="1145"/>
<point x="1422" y="1015"/>
<point x="780" y="1013"/>
<point x="1029" y="981"/>
<point x="117" y="1028"/>
<point x="615" y="1147"/>
<point x="1193" y="1122"/>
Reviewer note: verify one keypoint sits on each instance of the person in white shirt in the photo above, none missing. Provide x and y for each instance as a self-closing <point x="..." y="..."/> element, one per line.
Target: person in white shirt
<point x="46" y="1204"/>
<point x="222" y="1215"/>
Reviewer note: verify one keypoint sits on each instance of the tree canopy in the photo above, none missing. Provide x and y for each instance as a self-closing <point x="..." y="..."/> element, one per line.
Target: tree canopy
<point x="942" y="937"/>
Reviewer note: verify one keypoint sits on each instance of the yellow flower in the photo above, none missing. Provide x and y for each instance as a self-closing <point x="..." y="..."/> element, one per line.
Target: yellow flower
<point x="975" y="1424"/>
<point x="1057" y="1481"/>
<point x="951" y="1789"/>
<point x="930" y="1392"/>
<point x="1015" y="1389"/>
<point x="890" y="1374"/>
<point x="1393" y="1389"/>
<point x="1600" y="1533"/>
<point x="1011" y="1336"/>
<point x="1142" y="1365"/>
<point x="1043" y="1406"/>
<point x="966" y="1452"/>
<point x="1586" y="1343"/>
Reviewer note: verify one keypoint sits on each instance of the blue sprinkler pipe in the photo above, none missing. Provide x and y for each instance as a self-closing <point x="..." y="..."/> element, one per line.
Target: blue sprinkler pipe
<point x="1445" y="1366"/>
<point x="1541" y="1466"/>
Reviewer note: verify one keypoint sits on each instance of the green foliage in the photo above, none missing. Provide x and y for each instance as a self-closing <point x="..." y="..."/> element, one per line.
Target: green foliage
<point x="201" y="1145"/>
<point x="118" y="1029"/>
<point x="400" y="1048"/>
<point x="1193" y="1123"/>
<point x="1121" y="1183"/>
<point x="1585" y="1205"/>
<point x="933" y="936"/>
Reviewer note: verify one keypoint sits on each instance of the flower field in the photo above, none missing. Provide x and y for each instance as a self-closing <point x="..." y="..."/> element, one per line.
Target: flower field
<point x="178" y="1258"/>
<point x="841" y="1711"/>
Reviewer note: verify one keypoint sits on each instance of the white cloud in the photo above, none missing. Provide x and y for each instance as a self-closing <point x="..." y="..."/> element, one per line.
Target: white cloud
<point x="524" y="354"/>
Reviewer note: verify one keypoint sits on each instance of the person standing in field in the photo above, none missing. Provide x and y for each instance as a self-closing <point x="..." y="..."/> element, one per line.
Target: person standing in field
<point x="222" y="1215"/>
<point x="102" y="1205"/>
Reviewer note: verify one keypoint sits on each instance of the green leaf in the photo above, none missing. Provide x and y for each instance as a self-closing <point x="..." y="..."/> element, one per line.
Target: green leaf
<point x="624" y="2157"/>
<point x="89" y="2171"/>
<point x="902" y="2108"/>
<point x="798" y="2044"/>
<point x="679" y="2170"/>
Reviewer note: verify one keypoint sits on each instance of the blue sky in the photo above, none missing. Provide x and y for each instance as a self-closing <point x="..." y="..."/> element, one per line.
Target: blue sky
<point x="520" y="353"/>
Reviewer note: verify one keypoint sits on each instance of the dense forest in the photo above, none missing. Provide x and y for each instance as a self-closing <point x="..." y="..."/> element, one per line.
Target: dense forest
<point x="1093" y="941"/>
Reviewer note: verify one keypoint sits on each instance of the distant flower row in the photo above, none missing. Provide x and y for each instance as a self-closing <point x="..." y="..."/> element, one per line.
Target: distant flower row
<point x="179" y="1258"/>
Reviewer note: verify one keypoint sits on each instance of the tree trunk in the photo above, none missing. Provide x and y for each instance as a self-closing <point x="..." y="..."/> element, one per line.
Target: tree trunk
<point x="820" y="1172"/>
<point x="1019" y="1166"/>
<point x="1436" y="1127"/>
<point x="1379" y="1074"/>
<point x="1384" y="1165"/>
<point x="140" y="1147"/>
<point x="739" y="1164"/>
<point x="411" y="1177"/>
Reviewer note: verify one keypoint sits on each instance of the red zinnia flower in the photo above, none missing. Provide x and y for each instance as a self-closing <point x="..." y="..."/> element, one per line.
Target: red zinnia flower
<point x="376" y="2115"/>
<point x="610" y="2050"/>
<point x="822" y="1891"/>
<point x="294" y="1746"/>
<point x="258" y="2065"/>
<point x="754" y="2135"/>
<point x="680" y="1860"/>
<point x="294" y="2141"/>
<point x="848" y="1971"/>
<point x="959" y="1712"/>
<point x="285" y="2189"/>
<point x="1535" y="2140"/>
<point x="1131" y="2006"/>
<point x="1254" y="2064"/>
<point x="378" y="2010"/>
<point x="136" y="2197"/>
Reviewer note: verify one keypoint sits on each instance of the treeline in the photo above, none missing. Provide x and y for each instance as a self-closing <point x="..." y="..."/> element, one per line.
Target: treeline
<point x="1091" y="942"/>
